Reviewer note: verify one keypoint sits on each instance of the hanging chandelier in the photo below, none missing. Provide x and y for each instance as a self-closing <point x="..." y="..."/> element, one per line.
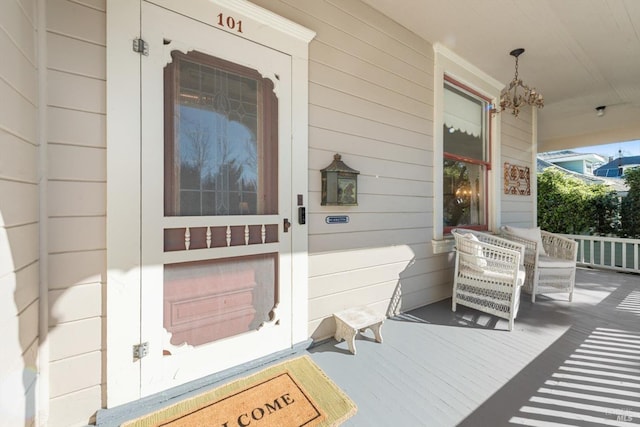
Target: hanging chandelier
<point x="517" y="94"/>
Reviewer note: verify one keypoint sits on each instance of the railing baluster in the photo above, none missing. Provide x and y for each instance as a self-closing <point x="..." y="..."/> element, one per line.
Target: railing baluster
<point x="608" y="247"/>
<point x="228" y="235"/>
<point x="187" y="238"/>
<point x="208" y="237"/>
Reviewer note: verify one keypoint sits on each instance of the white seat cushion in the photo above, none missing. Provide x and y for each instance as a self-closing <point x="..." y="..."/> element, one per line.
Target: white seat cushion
<point x="495" y="275"/>
<point x="522" y="274"/>
<point x="549" y="262"/>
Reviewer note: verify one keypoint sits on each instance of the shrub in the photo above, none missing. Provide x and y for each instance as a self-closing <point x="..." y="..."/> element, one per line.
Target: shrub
<point x="630" y="206"/>
<point x="571" y="206"/>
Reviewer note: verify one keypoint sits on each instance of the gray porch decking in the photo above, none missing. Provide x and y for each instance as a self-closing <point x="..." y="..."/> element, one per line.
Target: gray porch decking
<point x="563" y="364"/>
<point x="567" y="363"/>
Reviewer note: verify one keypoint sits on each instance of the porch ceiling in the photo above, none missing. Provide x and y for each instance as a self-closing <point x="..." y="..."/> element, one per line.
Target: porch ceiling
<point x="579" y="53"/>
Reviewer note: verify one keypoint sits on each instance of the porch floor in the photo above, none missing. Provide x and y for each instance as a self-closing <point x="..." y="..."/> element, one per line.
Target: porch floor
<point x="563" y="364"/>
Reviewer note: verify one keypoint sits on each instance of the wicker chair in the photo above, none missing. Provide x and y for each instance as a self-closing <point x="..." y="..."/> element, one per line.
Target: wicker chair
<point x="550" y="261"/>
<point x="488" y="274"/>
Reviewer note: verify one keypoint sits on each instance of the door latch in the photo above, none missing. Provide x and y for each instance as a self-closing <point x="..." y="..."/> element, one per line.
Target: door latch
<point x="285" y="225"/>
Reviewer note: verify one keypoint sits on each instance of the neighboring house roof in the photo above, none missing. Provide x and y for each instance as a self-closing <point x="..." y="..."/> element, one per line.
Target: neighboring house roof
<point x="582" y="163"/>
<point x="616" y="184"/>
<point x="568" y="155"/>
<point x="611" y="169"/>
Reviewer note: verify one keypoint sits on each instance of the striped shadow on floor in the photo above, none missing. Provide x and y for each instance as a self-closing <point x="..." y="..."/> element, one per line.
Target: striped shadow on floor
<point x="599" y="383"/>
<point x="589" y="376"/>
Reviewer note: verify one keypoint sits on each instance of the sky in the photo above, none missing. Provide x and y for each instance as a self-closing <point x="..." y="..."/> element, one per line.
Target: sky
<point x="629" y="148"/>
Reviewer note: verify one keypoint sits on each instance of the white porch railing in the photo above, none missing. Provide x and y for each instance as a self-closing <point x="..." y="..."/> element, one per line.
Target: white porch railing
<point x="613" y="253"/>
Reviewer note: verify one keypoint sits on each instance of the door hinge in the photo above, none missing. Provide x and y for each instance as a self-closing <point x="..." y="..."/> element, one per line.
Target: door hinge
<point x="141" y="46"/>
<point x="140" y="350"/>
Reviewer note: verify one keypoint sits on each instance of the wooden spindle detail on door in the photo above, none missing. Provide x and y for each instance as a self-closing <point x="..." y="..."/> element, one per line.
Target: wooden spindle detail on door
<point x="208" y="237"/>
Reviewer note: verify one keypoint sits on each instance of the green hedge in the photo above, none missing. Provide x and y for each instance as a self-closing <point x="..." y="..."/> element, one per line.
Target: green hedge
<point x="630" y="206"/>
<point x="571" y="206"/>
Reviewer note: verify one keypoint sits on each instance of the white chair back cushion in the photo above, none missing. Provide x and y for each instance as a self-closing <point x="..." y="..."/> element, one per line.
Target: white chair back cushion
<point x="529" y="234"/>
<point x="474" y="249"/>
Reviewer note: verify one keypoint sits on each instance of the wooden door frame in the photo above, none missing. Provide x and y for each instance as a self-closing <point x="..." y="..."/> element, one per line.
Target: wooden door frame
<point x="124" y="192"/>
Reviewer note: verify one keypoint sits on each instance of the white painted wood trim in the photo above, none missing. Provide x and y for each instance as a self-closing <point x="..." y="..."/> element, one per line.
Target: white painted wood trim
<point x="534" y="164"/>
<point x="270" y="22"/>
<point x="269" y="18"/>
<point x="466" y="72"/>
<point x="496" y="183"/>
<point x="225" y="251"/>
<point x="438" y="151"/>
<point x="300" y="168"/>
<point x="44" y="376"/>
<point x="123" y="207"/>
<point x="442" y="245"/>
<point x="232" y="220"/>
<point x="449" y="63"/>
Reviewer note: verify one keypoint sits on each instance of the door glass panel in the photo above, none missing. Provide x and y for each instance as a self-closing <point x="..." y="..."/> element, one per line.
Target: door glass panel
<point x="220" y="139"/>
<point x="205" y="301"/>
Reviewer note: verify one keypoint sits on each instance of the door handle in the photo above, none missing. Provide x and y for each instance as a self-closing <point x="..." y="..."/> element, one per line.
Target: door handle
<point x="285" y="225"/>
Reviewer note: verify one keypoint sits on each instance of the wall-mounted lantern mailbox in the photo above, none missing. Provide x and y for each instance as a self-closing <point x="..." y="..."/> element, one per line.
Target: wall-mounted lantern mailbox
<point x="339" y="184"/>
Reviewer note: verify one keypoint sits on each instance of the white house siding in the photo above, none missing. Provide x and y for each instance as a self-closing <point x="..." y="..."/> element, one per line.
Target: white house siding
<point x="76" y="78"/>
<point x="18" y="212"/>
<point x="371" y="100"/>
<point x="517" y="149"/>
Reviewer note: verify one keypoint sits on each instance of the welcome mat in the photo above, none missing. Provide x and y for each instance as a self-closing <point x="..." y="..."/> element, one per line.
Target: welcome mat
<point x="294" y="393"/>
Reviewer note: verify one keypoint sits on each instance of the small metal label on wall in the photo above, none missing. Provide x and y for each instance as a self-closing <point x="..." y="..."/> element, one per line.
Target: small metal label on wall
<point x="337" y="219"/>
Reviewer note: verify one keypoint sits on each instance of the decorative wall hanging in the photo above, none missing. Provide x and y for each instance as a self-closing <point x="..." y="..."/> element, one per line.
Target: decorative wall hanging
<point x="517" y="180"/>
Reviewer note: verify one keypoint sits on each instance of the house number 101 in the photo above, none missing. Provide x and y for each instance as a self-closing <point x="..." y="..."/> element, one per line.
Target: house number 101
<point x="230" y="23"/>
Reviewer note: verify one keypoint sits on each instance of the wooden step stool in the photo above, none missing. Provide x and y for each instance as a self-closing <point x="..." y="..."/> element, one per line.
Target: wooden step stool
<point x="352" y="320"/>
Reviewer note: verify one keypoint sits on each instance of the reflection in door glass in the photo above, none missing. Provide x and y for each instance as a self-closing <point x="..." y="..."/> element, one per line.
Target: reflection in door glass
<point x="205" y="301"/>
<point x="220" y="139"/>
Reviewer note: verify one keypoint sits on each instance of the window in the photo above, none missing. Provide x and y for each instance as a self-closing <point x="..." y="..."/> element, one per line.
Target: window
<point x="466" y="154"/>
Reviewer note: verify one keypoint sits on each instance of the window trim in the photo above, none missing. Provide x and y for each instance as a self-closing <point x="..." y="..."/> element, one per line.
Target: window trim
<point x="448" y="65"/>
